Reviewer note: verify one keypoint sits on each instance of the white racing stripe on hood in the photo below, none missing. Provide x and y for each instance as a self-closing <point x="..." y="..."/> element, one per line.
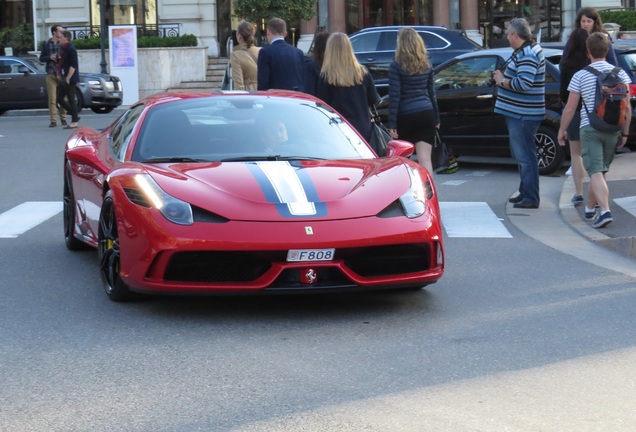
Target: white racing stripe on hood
<point x="288" y="187"/>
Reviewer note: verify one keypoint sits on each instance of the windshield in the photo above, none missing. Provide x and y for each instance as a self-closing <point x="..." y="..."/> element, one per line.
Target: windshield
<point x="246" y="127"/>
<point x="34" y="63"/>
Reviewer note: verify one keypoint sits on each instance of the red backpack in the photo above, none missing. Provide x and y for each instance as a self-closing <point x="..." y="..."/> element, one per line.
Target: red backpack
<point x="611" y="101"/>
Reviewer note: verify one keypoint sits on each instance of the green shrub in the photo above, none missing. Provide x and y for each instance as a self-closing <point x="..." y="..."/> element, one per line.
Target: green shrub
<point x="19" y="38"/>
<point x="142" y="42"/>
<point x="625" y="18"/>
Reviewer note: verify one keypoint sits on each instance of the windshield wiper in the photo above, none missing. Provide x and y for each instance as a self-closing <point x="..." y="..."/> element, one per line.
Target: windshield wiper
<point x="268" y="158"/>
<point x="172" y="159"/>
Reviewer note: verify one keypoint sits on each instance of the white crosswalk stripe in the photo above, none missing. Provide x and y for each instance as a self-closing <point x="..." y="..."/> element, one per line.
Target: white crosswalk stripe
<point x="460" y="219"/>
<point x="471" y="220"/>
<point x="628" y="203"/>
<point x="27" y="215"/>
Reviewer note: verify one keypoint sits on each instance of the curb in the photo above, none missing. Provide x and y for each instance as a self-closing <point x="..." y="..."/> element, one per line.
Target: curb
<point x="623" y="245"/>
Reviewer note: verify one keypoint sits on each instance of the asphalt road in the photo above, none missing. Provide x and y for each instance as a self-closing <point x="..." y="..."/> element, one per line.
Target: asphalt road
<point x="519" y="335"/>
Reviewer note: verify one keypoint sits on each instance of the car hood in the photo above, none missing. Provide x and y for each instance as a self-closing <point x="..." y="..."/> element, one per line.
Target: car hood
<point x="287" y="190"/>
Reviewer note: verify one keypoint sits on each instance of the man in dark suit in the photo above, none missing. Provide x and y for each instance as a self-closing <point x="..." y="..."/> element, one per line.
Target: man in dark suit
<point x="280" y="65"/>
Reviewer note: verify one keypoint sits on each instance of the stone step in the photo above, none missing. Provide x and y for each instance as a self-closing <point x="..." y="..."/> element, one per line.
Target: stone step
<point x="213" y="76"/>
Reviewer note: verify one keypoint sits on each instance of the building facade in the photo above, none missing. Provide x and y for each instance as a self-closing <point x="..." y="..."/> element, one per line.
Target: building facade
<point x="212" y="21"/>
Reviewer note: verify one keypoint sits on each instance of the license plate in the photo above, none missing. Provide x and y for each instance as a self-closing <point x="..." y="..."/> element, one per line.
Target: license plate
<point x="116" y="94"/>
<point x="310" y="254"/>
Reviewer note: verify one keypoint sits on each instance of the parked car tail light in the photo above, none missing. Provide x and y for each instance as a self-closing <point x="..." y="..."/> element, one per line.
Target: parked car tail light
<point x="632" y="91"/>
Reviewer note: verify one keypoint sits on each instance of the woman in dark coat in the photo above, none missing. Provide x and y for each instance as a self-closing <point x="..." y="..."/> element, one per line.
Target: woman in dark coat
<point x="413" y="111"/>
<point x="346" y="85"/>
<point x="313" y="63"/>
<point x="573" y="61"/>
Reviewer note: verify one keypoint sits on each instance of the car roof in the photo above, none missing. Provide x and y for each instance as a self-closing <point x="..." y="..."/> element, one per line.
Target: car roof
<point x="181" y="95"/>
<point x="397" y="28"/>
<point x="506" y="52"/>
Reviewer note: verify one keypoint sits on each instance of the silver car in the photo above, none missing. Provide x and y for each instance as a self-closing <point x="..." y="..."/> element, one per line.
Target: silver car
<point x="23" y="86"/>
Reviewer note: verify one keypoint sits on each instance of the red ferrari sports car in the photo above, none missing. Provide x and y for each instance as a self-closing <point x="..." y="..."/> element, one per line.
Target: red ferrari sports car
<point x="247" y="193"/>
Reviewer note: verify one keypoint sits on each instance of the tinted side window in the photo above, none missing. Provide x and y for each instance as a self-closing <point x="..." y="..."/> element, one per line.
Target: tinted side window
<point x="122" y="132"/>
<point x="474" y="72"/>
<point x="388" y="41"/>
<point x="433" y="41"/>
<point x="366" y="42"/>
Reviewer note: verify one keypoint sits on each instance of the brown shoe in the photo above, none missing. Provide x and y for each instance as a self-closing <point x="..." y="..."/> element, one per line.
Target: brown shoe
<point x="64" y="123"/>
<point x="53" y="124"/>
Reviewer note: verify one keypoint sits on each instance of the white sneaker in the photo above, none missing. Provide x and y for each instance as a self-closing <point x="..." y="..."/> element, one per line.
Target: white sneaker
<point x="569" y="172"/>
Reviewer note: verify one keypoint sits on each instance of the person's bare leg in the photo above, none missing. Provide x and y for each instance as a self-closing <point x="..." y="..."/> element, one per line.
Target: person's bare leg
<point x="578" y="172"/>
<point x="598" y="186"/>
<point x="424" y="151"/>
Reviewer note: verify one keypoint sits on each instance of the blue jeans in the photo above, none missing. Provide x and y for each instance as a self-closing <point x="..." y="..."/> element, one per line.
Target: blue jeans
<point x="524" y="150"/>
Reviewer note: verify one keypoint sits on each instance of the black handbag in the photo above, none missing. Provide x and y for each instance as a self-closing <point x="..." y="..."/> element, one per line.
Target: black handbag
<point x="442" y="157"/>
<point x="380" y="135"/>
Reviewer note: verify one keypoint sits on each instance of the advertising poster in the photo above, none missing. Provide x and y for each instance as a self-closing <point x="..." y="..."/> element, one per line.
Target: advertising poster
<point x="124" y="47"/>
<point x="124" y="61"/>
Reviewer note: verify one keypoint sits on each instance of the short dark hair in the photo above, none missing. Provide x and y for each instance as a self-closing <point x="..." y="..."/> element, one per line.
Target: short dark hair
<point x="277" y="26"/>
<point x="54" y="28"/>
<point x="597" y="44"/>
<point x="67" y="34"/>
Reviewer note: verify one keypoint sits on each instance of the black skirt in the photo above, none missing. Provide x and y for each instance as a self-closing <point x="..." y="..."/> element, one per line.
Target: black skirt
<point x="419" y="126"/>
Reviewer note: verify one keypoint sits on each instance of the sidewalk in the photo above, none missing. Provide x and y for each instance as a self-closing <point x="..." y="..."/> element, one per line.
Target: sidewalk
<point x="620" y="235"/>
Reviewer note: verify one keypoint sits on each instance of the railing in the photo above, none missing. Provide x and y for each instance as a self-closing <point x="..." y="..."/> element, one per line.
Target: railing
<point x="161" y="30"/>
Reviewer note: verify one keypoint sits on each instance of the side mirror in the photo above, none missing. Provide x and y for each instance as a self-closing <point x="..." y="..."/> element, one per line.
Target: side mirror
<point x="400" y="148"/>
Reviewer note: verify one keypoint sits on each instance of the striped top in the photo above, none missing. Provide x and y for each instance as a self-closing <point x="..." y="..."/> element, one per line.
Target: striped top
<point x="584" y="83"/>
<point x="525" y="99"/>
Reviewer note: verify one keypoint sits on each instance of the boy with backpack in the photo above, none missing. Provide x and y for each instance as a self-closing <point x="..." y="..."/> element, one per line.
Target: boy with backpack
<point x="605" y="118"/>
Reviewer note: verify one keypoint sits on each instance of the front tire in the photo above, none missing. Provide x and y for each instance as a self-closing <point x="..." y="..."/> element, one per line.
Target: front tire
<point x="102" y="109"/>
<point x="108" y="253"/>
<point x="550" y="154"/>
<point x="72" y="242"/>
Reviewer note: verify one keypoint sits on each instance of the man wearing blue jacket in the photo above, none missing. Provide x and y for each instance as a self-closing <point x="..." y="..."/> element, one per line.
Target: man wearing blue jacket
<point x="280" y="65"/>
<point x="69" y="69"/>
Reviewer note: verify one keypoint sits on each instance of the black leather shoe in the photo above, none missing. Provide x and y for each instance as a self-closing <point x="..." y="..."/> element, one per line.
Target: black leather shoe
<point x="526" y="204"/>
<point x="515" y="200"/>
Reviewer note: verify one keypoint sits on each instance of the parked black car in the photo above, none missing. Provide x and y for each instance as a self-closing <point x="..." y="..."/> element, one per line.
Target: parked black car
<point x="466" y="100"/>
<point x="23" y="86"/>
<point x="375" y="48"/>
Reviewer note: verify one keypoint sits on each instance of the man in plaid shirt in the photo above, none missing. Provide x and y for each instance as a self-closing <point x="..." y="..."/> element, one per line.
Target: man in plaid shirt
<point x="50" y="54"/>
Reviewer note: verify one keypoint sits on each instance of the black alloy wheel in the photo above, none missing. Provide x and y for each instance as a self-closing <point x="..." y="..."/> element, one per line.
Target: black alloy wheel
<point x="72" y="242"/>
<point x="108" y="252"/>
<point x="102" y="109"/>
<point x="549" y="153"/>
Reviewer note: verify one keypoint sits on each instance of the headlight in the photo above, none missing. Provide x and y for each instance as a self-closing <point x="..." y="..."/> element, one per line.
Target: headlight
<point x="94" y="84"/>
<point x="414" y="200"/>
<point x="173" y="209"/>
<point x="109" y="85"/>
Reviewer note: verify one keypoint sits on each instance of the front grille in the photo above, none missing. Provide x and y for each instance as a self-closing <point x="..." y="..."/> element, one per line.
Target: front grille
<point x="244" y="267"/>
<point x="219" y="266"/>
<point x="387" y="260"/>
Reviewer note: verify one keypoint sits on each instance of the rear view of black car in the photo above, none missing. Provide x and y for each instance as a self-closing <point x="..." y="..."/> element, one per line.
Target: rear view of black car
<point x="375" y="48"/>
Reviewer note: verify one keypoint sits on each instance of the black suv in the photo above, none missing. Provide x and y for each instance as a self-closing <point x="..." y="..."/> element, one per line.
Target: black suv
<point x="375" y="48"/>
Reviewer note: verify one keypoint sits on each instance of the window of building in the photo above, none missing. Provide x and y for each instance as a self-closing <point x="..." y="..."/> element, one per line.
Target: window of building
<point x="373" y="13"/>
<point x="142" y="13"/>
<point x="544" y="17"/>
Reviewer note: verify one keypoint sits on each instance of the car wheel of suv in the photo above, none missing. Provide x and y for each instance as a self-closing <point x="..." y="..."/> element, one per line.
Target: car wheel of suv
<point x="549" y="153"/>
<point x="103" y="109"/>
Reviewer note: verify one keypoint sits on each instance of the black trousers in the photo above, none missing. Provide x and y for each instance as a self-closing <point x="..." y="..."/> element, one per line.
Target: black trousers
<point x="66" y="90"/>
